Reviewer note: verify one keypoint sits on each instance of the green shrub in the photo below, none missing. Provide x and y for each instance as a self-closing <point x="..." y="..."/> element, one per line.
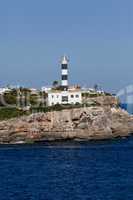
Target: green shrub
<point x="7" y="113"/>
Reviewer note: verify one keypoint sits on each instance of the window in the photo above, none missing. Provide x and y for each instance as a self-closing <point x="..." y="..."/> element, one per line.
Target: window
<point x="57" y="96"/>
<point x="64" y="98"/>
<point x="72" y="96"/>
<point x="77" y="96"/>
<point x="52" y="96"/>
<point x="64" y="77"/>
<point x="64" y="66"/>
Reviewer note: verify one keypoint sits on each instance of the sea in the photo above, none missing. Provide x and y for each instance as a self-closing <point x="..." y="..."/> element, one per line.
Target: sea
<point x="101" y="170"/>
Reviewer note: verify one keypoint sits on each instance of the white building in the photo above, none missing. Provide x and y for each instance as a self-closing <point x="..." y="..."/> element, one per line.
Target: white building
<point x="64" y="97"/>
<point x="46" y="89"/>
<point x="3" y="90"/>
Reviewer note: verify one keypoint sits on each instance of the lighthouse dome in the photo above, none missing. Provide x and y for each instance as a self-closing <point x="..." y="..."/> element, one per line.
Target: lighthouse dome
<point x="64" y="60"/>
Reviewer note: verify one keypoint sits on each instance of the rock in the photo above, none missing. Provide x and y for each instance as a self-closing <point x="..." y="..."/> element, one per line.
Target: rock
<point x="95" y="122"/>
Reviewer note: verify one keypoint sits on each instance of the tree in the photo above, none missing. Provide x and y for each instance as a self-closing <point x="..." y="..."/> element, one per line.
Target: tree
<point x="55" y="83"/>
<point x="96" y="87"/>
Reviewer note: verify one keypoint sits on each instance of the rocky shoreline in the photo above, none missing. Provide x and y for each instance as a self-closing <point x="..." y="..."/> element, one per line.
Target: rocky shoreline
<point x="104" y="121"/>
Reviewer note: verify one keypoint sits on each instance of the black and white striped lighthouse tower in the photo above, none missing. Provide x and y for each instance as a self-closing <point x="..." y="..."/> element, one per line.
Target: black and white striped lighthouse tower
<point x="64" y="72"/>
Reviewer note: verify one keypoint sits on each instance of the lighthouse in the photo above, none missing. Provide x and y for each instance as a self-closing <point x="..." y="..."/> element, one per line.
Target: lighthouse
<point x="64" y="72"/>
<point x="64" y="94"/>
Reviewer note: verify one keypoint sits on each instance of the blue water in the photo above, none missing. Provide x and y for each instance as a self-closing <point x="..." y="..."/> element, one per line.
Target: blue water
<point x="67" y="171"/>
<point x="127" y="107"/>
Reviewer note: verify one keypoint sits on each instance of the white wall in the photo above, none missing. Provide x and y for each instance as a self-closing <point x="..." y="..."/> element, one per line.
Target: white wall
<point x="77" y="97"/>
<point x="64" y="71"/>
<point x="64" y="82"/>
<point x="56" y="97"/>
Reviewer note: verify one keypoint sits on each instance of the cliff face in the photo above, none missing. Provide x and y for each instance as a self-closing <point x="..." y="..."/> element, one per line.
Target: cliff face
<point x="96" y="122"/>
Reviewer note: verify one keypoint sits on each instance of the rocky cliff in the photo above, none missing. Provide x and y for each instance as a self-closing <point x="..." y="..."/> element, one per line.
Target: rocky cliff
<point x="95" y="122"/>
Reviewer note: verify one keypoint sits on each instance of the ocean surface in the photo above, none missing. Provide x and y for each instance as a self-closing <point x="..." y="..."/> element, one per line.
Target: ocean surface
<point x="67" y="171"/>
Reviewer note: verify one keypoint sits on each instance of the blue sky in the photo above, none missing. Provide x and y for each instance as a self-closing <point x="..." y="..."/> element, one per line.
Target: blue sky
<point x="97" y="35"/>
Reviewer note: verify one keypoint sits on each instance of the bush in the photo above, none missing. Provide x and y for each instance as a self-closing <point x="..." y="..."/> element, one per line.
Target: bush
<point x="7" y="113"/>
